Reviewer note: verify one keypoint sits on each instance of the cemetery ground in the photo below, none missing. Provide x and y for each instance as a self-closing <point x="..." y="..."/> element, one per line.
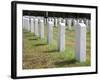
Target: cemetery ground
<point x="38" y="54"/>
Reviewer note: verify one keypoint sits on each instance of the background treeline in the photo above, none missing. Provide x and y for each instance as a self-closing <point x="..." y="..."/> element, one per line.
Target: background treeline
<point x="56" y="14"/>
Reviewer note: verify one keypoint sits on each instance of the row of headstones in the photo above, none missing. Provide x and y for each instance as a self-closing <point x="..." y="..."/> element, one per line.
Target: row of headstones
<point x="69" y="22"/>
<point x="37" y="26"/>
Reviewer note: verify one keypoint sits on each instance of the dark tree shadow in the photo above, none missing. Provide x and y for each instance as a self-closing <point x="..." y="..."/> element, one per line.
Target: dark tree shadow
<point x="62" y="63"/>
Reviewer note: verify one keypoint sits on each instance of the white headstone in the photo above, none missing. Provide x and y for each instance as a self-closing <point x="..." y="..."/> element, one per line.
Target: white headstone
<point x="50" y="31"/>
<point x="78" y="20"/>
<point x="59" y="20"/>
<point x="69" y="23"/>
<point x="45" y="20"/>
<point x="80" y="44"/>
<point x="56" y="22"/>
<point x="88" y="24"/>
<point x="26" y="23"/>
<point x="64" y="20"/>
<point x="29" y="27"/>
<point x="61" y="36"/>
<point x="23" y="22"/>
<point x="36" y="31"/>
<point x="32" y="24"/>
<point x="66" y="23"/>
<point x="41" y="28"/>
<point x="52" y="19"/>
<point x="81" y="21"/>
<point x="74" y="23"/>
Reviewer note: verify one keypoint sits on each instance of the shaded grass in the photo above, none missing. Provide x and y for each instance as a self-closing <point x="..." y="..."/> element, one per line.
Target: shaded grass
<point x="38" y="54"/>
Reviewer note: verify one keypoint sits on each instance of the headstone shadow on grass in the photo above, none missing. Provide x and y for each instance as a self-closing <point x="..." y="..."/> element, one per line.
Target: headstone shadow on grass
<point x="28" y="35"/>
<point x="51" y="51"/>
<point x="65" y="62"/>
<point x="33" y="39"/>
<point x="41" y="44"/>
<point x="26" y="32"/>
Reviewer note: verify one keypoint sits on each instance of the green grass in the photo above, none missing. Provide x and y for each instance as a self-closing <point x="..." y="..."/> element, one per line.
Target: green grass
<point x="38" y="54"/>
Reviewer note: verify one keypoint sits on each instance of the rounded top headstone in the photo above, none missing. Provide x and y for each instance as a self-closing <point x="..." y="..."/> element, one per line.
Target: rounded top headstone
<point x="62" y="23"/>
<point x="36" y="19"/>
<point x="41" y="20"/>
<point x="81" y="25"/>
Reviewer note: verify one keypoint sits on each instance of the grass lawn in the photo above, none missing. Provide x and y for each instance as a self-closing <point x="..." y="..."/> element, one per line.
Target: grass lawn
<point x="38" y="54"/>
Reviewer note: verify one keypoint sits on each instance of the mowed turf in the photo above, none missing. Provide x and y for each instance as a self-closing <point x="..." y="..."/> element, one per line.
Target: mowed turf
<point x="38" y="54"/>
